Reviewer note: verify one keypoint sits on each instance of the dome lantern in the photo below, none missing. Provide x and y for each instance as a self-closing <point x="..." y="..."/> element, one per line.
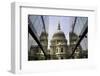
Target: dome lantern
<point x="59" y="26"/>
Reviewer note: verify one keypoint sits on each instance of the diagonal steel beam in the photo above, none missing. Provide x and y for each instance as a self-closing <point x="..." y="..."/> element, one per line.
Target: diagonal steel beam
<point x="84" y="27"/>
<point x="44" y="26"/>
<point x="43" y="23"/>
<point x="81" y="38"/>
<point x="74" y="24"/>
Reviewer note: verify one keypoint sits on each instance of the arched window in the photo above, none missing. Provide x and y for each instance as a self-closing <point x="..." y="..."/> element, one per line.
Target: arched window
<point x="61" y="57"/>
<point x="61" y="49"/>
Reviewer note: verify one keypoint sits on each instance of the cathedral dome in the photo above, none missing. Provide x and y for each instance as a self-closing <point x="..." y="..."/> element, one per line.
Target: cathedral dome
<point x="59" y="34"/>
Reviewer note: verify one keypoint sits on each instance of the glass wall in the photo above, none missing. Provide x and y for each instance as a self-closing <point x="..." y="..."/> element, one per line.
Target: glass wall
<point x="79" y="27"/>
<point x="37" y="25"/>
<point x="57" y="37"/>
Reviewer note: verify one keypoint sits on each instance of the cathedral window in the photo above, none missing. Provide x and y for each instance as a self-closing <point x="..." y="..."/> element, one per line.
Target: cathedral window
<point x="61" y="57"/>
<point x="58" y="41"/>
<point x="61" y="49"/>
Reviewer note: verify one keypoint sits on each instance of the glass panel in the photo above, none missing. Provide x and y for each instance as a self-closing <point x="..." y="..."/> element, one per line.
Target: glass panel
<point x="48" y="34"/>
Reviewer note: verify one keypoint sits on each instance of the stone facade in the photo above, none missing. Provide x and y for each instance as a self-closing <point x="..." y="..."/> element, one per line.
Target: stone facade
<point x="58" y="47"/>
